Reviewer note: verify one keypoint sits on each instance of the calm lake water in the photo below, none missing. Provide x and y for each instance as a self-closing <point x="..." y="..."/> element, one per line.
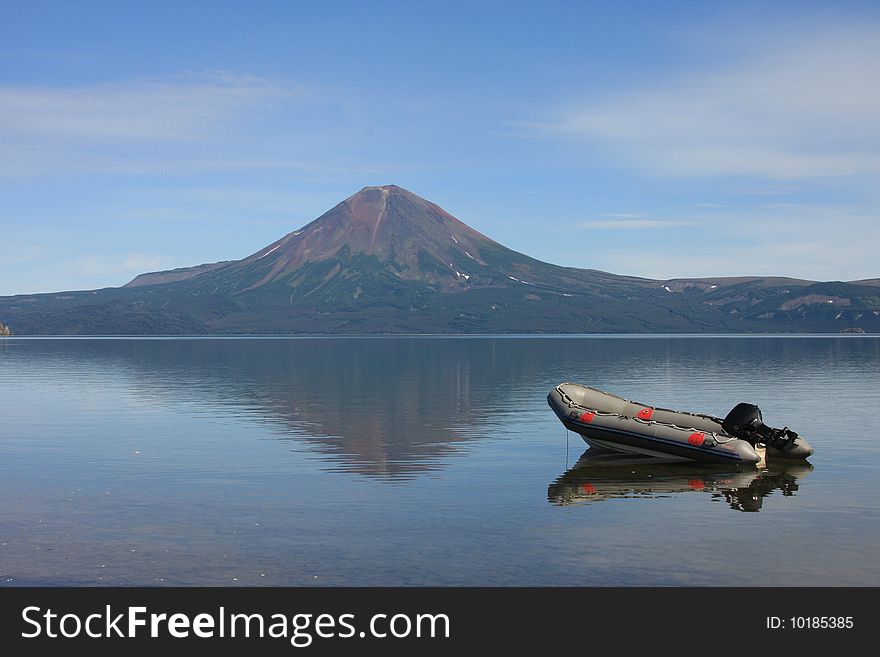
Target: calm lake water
<point x="424" y="461"/>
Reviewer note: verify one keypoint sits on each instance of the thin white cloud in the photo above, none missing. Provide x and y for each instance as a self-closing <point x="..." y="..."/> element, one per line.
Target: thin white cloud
<point x="766" y="190"/>
<point x="128" y="263"/>
<point x="189" y="107"/>
<point x="800" y="240"/>
<point x="13" y="252"/>
<point x="150" y="126"/>
<point x="791" y="107"/>
<point x="631" y="224"/>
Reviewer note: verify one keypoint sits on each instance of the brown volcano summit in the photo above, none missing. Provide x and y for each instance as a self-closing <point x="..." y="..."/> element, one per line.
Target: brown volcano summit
<point x="398" y="228"/>
<point x="388" y="222"/>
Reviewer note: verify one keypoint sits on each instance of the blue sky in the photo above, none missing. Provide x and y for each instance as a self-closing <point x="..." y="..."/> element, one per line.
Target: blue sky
<point x="652" y="139"/>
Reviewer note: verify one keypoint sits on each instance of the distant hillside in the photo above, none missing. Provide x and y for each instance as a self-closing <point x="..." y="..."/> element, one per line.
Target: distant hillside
<point x="173" y="275"/>
<point x="387" y="261"/>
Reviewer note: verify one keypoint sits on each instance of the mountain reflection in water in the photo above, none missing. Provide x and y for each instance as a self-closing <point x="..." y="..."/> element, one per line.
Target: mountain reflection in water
<point x="601" y="475"/>
<point x="385" y="408"/>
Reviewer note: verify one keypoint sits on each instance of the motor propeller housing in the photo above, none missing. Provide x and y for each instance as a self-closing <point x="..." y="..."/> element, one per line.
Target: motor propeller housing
<point x="745" y="421"/>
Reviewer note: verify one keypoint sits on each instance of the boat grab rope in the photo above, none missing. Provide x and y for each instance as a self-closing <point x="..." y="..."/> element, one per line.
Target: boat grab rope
<point x="573" y="404"/>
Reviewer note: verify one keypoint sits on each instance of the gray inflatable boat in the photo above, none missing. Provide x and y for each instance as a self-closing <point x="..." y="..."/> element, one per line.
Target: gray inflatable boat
<point x="612" y="422"/>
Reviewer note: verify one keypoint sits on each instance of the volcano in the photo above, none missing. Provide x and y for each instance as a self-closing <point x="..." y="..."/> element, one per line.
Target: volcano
<point x="380" y="229"/>
<point x="388" y="261"/>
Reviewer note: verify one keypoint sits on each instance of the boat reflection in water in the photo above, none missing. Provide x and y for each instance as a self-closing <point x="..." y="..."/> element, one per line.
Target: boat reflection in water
<point x="601" y="475"/>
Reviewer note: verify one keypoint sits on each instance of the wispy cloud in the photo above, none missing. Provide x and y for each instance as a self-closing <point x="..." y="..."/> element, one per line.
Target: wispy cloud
<point x="15" y="252"/>
<point x="630" y="224"/>
<point x="178" y="124"/>
<point x="131" y="263"/>
<point x="626" y="221"/>
<point x="799" y="240"/>
<point x="797" y="106"/>
<point x="185" y="107"/>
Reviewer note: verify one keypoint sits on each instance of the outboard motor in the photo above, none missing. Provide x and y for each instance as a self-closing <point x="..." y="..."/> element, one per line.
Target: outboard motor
<point x="745" y="422"/>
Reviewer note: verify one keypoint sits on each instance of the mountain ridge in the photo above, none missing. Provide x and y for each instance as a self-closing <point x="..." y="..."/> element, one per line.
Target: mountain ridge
<point x="385" y="260"/>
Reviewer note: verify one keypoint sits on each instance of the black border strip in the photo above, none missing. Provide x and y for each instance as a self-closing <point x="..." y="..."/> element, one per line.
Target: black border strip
<point x="725" y="620"/>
